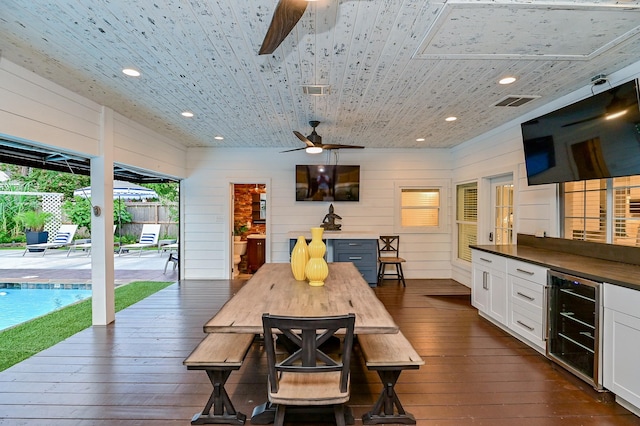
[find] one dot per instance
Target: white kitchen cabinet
(489, 288)
(526, 304)
(621, 333)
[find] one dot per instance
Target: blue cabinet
(363, 254)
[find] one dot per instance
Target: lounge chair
(63, 238)
(168, 247)
(86, 246)
(148, 238)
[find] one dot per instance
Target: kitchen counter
(623, 274)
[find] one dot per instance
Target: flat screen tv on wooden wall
(327, 183)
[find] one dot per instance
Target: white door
(501, 226)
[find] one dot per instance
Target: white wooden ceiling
(396, 68)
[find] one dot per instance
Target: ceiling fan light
(614, 115)
(313, 150)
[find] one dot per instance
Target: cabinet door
(489, 289)
(481, 278)
(620, 359)
(621, 343)
(255, 254)
(498, 296)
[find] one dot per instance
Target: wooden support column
(102, 263)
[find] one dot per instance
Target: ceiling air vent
(316, 89)
(515, 100)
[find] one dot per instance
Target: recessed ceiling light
(420, 140)
(452, 118)
(507, 80)
(186, 114)
(131, 72)
(218, 138)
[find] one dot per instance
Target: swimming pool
(19, 305)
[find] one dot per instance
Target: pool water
(21, 305)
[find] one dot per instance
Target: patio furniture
(63, 238)
(173, 257)
(218, 355)
(148, 238)
(85, 245)
(273, 288)
(168, 245)
(388, 254)
(309, 376)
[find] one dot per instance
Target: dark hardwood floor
(131, 372)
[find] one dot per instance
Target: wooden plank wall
(206, 215)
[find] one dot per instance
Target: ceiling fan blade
(303, 138)
(337, 146)
(285, 17)
(295, 149)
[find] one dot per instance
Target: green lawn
(27, 339)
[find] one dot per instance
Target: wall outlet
(540, 233)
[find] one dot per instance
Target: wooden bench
(388, 354)
(218, 355)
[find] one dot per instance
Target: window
(420, 208)
(603, 210)
(466, 218)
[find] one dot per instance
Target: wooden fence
(142, 213)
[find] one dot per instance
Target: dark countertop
(623, 274)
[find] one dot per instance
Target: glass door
(573, 323)
(502, 210)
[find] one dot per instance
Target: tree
(78, 211)
(40, 180)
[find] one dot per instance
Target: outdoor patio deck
(56, 267)
(131, 372)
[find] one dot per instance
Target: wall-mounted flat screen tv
(327, 183)
(598, 137)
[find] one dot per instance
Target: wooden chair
(308, 376)
(388, 254)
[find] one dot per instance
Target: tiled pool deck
(56, 268)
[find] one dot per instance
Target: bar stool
(388, 254)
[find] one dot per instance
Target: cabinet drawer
(489, 260)
(622, 299)
(357, 257)
(358, 245)
(527, 325)
(527, 271)
(526, 293)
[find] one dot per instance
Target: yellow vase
(316, 269)
(299, 259)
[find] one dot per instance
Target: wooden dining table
(274, 290)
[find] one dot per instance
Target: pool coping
(46, 286)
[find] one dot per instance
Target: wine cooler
(574, 324)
